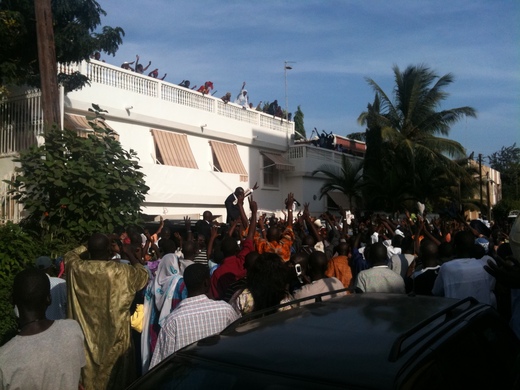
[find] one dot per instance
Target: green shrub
(72, 187)
(17, 250)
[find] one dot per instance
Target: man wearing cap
(57, 310)
(126, 65)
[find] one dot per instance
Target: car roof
(337, 341)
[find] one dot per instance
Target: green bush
(17, 250)
(72, 187)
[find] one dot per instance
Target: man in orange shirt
(272, 240)
(338, 266)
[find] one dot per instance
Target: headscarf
(162, 296)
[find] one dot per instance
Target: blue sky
(335, 45)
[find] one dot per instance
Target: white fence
(21, 121)
(106, 74)
(10, 210)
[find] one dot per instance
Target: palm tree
(347, 179)
(409, 129)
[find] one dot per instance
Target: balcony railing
(110, 75)
(307, 158)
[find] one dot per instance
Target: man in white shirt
(320, 282)
(465, 276)
(379, 278)
(57, 310)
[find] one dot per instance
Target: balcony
(121, 82)
(306, 158)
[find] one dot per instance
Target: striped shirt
(195, 318)
(201, 257)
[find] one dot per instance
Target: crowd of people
(133, 297)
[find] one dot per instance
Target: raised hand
(253, 205)
(214, 231)
(187, 223)
(290, 200)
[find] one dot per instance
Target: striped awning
(279, 161)
(227, 159)
(173, 149)
(82, 126)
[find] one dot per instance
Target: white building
(194, 149)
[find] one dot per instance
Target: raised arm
(289, 205)
(427, 233)
(243, 217)
(187, 226)
(161, 225)
(262, 226)
(252, 226)
(212, 237)
(310, 226)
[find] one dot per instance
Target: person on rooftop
(126, 65)
(206, 88)
(139, 67)
(155, 74)
(242, 97)
(226, 98)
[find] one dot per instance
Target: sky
(333, 46)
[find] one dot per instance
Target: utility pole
(286, 67)
(47, 62)
(480, 178)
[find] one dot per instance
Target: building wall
(491, 190)
(136, 104)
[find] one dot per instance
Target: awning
(340, 199)
(227, 159)
(173, 149)
(279, 161)
(82, 126)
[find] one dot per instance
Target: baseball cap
(43, 262)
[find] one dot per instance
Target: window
(272, 164)
(173, 149)
(271, 177)
(226, 159)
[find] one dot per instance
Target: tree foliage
(298, 124)
(406, 146)
(507, 162)
(72, 187)
(346, 179)
(77, 35)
